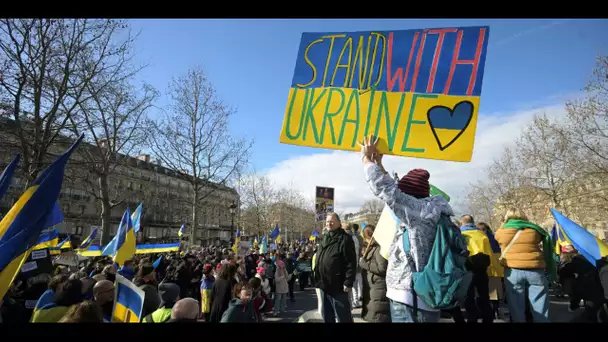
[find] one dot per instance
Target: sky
(531, 66)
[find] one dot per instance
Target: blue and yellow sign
(128, 301)
(418, 90)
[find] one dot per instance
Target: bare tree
(292, 212)
(193, 139)
(46, 67)
(257, 196)
(480, 202)
(115, 120)
(546, 159)
(373, 209)
(588, 120)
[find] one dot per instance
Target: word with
(447, 61)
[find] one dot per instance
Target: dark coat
(376, 307)
(336, 263)
(221, 294)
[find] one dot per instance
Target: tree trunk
(106, 210)
(192, 232)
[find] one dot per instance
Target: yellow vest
(158, 316)
(50, 315)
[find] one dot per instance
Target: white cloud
(343, 170)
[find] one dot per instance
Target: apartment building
(163, 192)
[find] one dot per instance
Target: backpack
(444, 280)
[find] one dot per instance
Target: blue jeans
(517, 281)
(336, 305)
(403, 313)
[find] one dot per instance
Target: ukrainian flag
(89, 240)
(33, 212)
(181, 231)
(66, 244)
(276, 234)
(157, 262)
(47, 240)
(7, 175)
(92, 251)
(589, 246)
(125, 244)
(136, 217)
(236, 240)
(128, 301)
(264, 245)
(314, 235)
(157, 248)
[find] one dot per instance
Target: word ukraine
(418, 90)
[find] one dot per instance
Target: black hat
(168, 293)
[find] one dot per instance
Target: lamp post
(232, 213)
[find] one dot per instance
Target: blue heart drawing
(448, 124)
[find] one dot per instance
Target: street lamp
(232, 213)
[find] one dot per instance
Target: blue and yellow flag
(237, 239)
(157, 262)
(181, 231)
(63, 245)
(136, 217)
(589, 246)
(125, 244)
(276, 234)
(66, 244)
(7, 175)
(47, 240)
(157, 248)
(31, 214)
(128, 301)
(264, 245)
(89, 240)
(91, 251)
(314, 235)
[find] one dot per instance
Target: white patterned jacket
(419, 219)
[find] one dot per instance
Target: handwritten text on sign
(418, 90)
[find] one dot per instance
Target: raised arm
(381, 183)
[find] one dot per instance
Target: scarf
(548, 248)
(329, 236)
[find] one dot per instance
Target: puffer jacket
(376, 306)
(525, 253)
(418, 223)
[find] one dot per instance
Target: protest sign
(418, 90)
(324, 202)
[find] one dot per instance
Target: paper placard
(41, 254)
(29, 266)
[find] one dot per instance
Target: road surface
(305, 301)
(306, 305)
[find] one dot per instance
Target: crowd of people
(208, 285)
(517, 265)
(435, 266)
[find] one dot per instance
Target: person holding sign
(411, 248)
